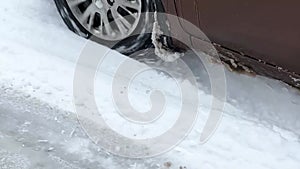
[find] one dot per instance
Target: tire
(126, 45)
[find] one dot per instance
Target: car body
(263, 35)
(258, 36)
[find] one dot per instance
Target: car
(250, 35)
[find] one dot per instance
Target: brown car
(260, 35)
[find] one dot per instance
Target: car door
(188, 10)
(265, 29)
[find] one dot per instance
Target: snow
(167, 56)
(260, 127)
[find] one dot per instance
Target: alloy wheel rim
(111, 20)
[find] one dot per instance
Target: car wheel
(110, 22)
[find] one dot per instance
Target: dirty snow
(164, 54)
(260, 128)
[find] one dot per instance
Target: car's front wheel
(110, 22)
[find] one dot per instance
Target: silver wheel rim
(110, 20)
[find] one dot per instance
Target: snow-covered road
(38, 127)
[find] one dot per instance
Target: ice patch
(160, 51)
(295, 79)
(79, 146)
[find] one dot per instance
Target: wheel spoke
(75, 3)
(134, 15)
(91, 20)
(125, 22)
(107, 26)
(117, 21)
(88, 12)
(131, 4)
(101, 27)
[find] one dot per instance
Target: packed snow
(38, 127)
